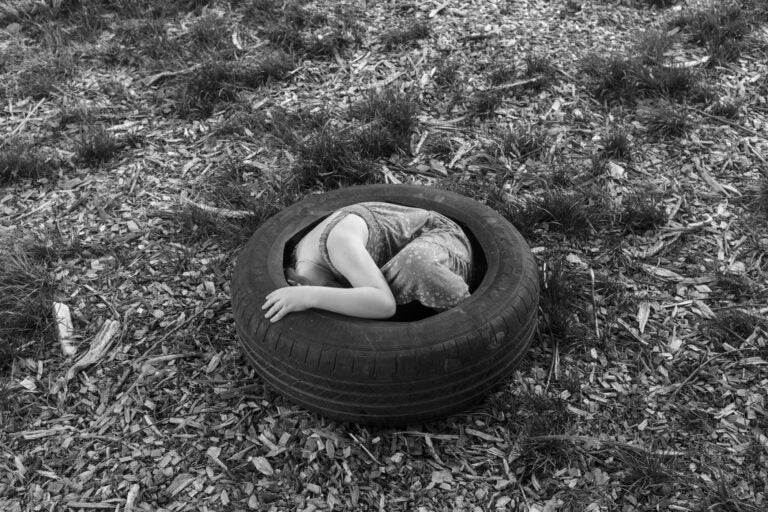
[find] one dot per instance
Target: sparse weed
(619, 78)
(721, 498)
(570, 213)
(652, 46)
(196, 224)
(374, 140)
(391, 114)
(26, 300)
(558, 290)
(97, 146)
(737, 285)
(647, 475)
(331, 157)
(284, 36)
(413, 31)
(40, 80)
(598, 165)
(485, 103)
(51, 246)
(732, 327)
(616, 145)
(661, 3)
(540, 67)
(270, 67)
(243, 124)
(670, 81)
(208, 86)
(720, 29)
(259, 11)
(641, 211)
(613, 76)
(289, 127)
(667, 121)
(726, 108)
(20, 159)
(762, 195)
(502, 73)
(148, 39)
(210, 34)
(439, 146)
(244, 188)
(525, 142)
(447, 73)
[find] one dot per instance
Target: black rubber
(389, 372)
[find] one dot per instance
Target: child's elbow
(389, 307)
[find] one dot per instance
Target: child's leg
(428, 272)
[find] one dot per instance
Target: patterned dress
(424, 256)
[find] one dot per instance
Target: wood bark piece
(64, 329)
(100, 345)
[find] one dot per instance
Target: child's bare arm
(369, 297)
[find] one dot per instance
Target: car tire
(398, 371)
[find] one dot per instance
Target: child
(365, 259)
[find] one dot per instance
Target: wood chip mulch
(645, 406)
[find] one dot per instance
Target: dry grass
(21, 159)
(26, 299)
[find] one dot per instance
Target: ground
(145, 141)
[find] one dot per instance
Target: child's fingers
(272, 310)
(280, 314)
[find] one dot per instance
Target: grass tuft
(668, 121)
(642, 211)
(661, 3)
(558, 290)
(502, 72)
(284, 36)
(669, 81)
(332, 158)
(97, 146)
(648, 475)
(540, 67)
(617, 78)
(438, 146)
(721, 29)
(525, 142)
(616, 145)
(409, 33)
(726, 108)
(26, 300)
(652, 46)
(485, 103)
(210, 33)
(391, 116)
(733, 327)
(20, 160)
(208, 86)
(447, 73)
(564, 211)
(41, 79)
(273, 66)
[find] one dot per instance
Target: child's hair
(293, 278)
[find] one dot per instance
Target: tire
(384, 371)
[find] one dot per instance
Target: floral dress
(424, 256)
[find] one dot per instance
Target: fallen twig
(101, 343)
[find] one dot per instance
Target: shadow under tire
(389, 372)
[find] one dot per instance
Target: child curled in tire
(365, 259)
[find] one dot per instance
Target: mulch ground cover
(143, 142)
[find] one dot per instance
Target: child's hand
(286, 300)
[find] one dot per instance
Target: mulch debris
(651, 405)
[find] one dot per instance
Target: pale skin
(369, 296)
